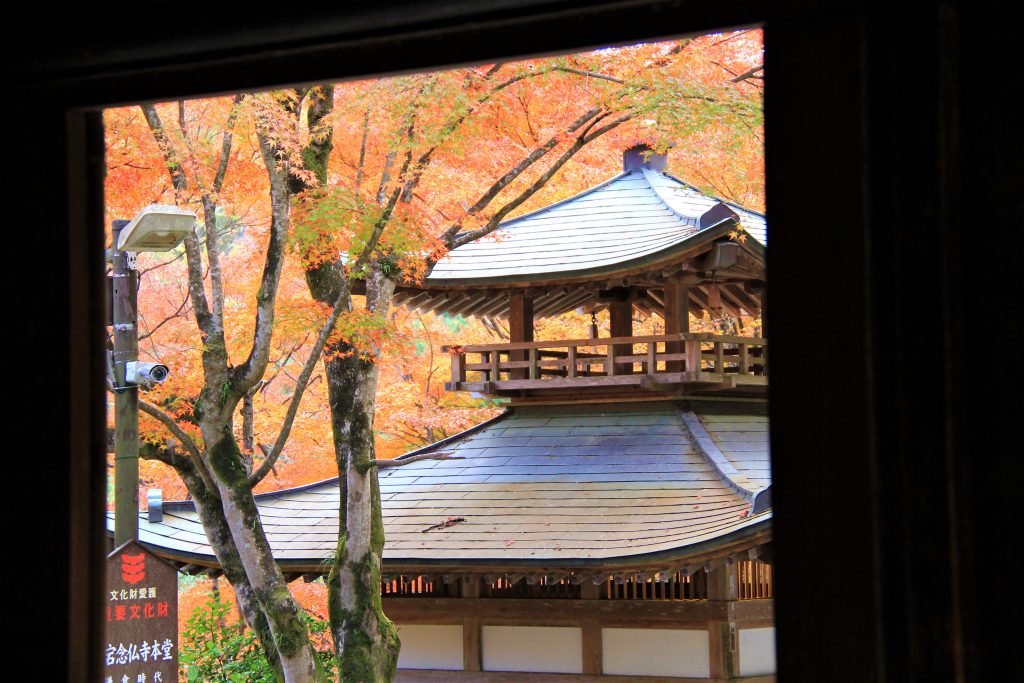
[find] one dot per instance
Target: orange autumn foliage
(412, 408)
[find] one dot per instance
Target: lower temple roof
(592, 486)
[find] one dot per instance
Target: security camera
(145, 374)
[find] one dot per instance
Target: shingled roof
(638, 216)
(633, 228)
(594, 486)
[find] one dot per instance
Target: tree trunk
(219, 535)
(365, 640)
(298, 661)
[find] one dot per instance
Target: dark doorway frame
(894, 172)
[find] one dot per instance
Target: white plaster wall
(549, 649)
(428, 646)
(757, 651)
(655, 652)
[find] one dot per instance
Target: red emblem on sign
(133, 568)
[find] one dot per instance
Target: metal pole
(126, 401)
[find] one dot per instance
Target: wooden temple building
(615, 521)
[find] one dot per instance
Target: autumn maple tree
(370, 184)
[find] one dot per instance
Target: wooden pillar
(472, 652)
(723, 637)
(757, 291)
(593, 647)
(620, 313)
(520, 326)
(676, 316)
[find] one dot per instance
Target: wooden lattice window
(418, 586)
(541, 587)
(677, 587)
(755, 580)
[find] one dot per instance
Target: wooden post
(458, 367)
(126, 400)
(534, 369)
(611, 367)
(472, 655)
(620, 311)
(472, 652)
(676, 316)
(520, 327)
(494, 357)
(723, 591)
(722, 583)
(593, 653)
(692, 349)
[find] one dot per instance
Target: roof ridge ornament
(642, 156)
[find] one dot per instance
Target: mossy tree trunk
(366, 641)
(211, 515)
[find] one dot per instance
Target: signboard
(141, 622)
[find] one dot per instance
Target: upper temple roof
(639, 216)
(632, 231)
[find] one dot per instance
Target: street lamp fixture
(156, 228)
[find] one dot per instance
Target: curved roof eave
(756, 530)
(652, 259)
(731, 204)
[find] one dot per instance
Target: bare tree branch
(177, 258)
(172, 316)
(209, 201)
(750, 73)
(180, 183)
(424, 159)
(225, 150)
(588, 74)
(251, 371)
(456, 241)
(385, 176)
(362, 149)
(448, 237)
(168, 422)
(400, 462)
(303, 380)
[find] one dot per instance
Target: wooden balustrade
(650, 362)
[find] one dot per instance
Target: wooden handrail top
(604, 341)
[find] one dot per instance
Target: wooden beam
(684, 614)
(498, 308)
(474, 303)
(749, 302)
(453, 303)
(557, 301)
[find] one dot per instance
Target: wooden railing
(646, 361)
